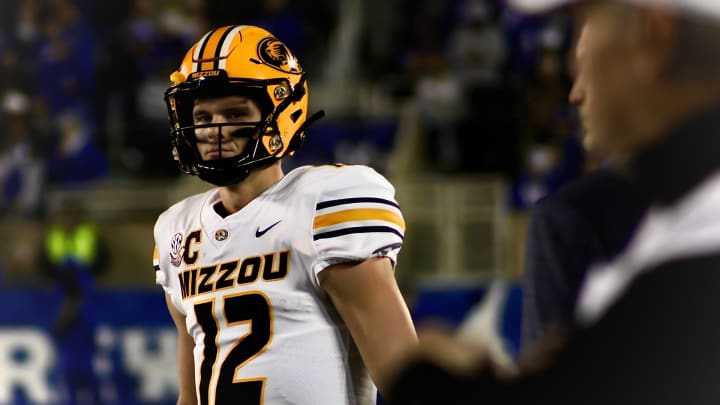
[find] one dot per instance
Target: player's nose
(577, 93)
(217, 130)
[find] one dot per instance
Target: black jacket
(589, 220)
(656, 342)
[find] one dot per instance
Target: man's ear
(654, 40)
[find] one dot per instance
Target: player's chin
(598, 147)
(590, 142)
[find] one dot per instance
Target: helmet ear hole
(295, 115)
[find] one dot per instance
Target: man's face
(235, 109)
(603, 86)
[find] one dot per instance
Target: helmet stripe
(199, 48)
(210, 47)
(225, 48)
(218, 49)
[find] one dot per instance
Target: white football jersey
(264, 331)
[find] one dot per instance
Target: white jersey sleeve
(356, 218)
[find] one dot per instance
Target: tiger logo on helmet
(239, 60)
(276, 54)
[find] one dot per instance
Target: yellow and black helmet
(239, 60)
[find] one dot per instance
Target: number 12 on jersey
(254, 309)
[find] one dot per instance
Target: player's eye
(202, 118)
(237, 115)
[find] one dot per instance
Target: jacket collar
(686, 156)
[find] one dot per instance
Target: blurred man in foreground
(589, 220)
(650, 85)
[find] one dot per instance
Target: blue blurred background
(460, 103)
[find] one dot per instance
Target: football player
(281, 286)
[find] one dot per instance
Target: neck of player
(234, 197)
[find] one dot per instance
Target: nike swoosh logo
(259, 233)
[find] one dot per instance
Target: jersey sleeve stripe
(366, 214)
(156, 259)
(357, 229)
(355, 200)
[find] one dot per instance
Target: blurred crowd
(491, 88)
(82, 82)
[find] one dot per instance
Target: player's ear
(656, 36)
